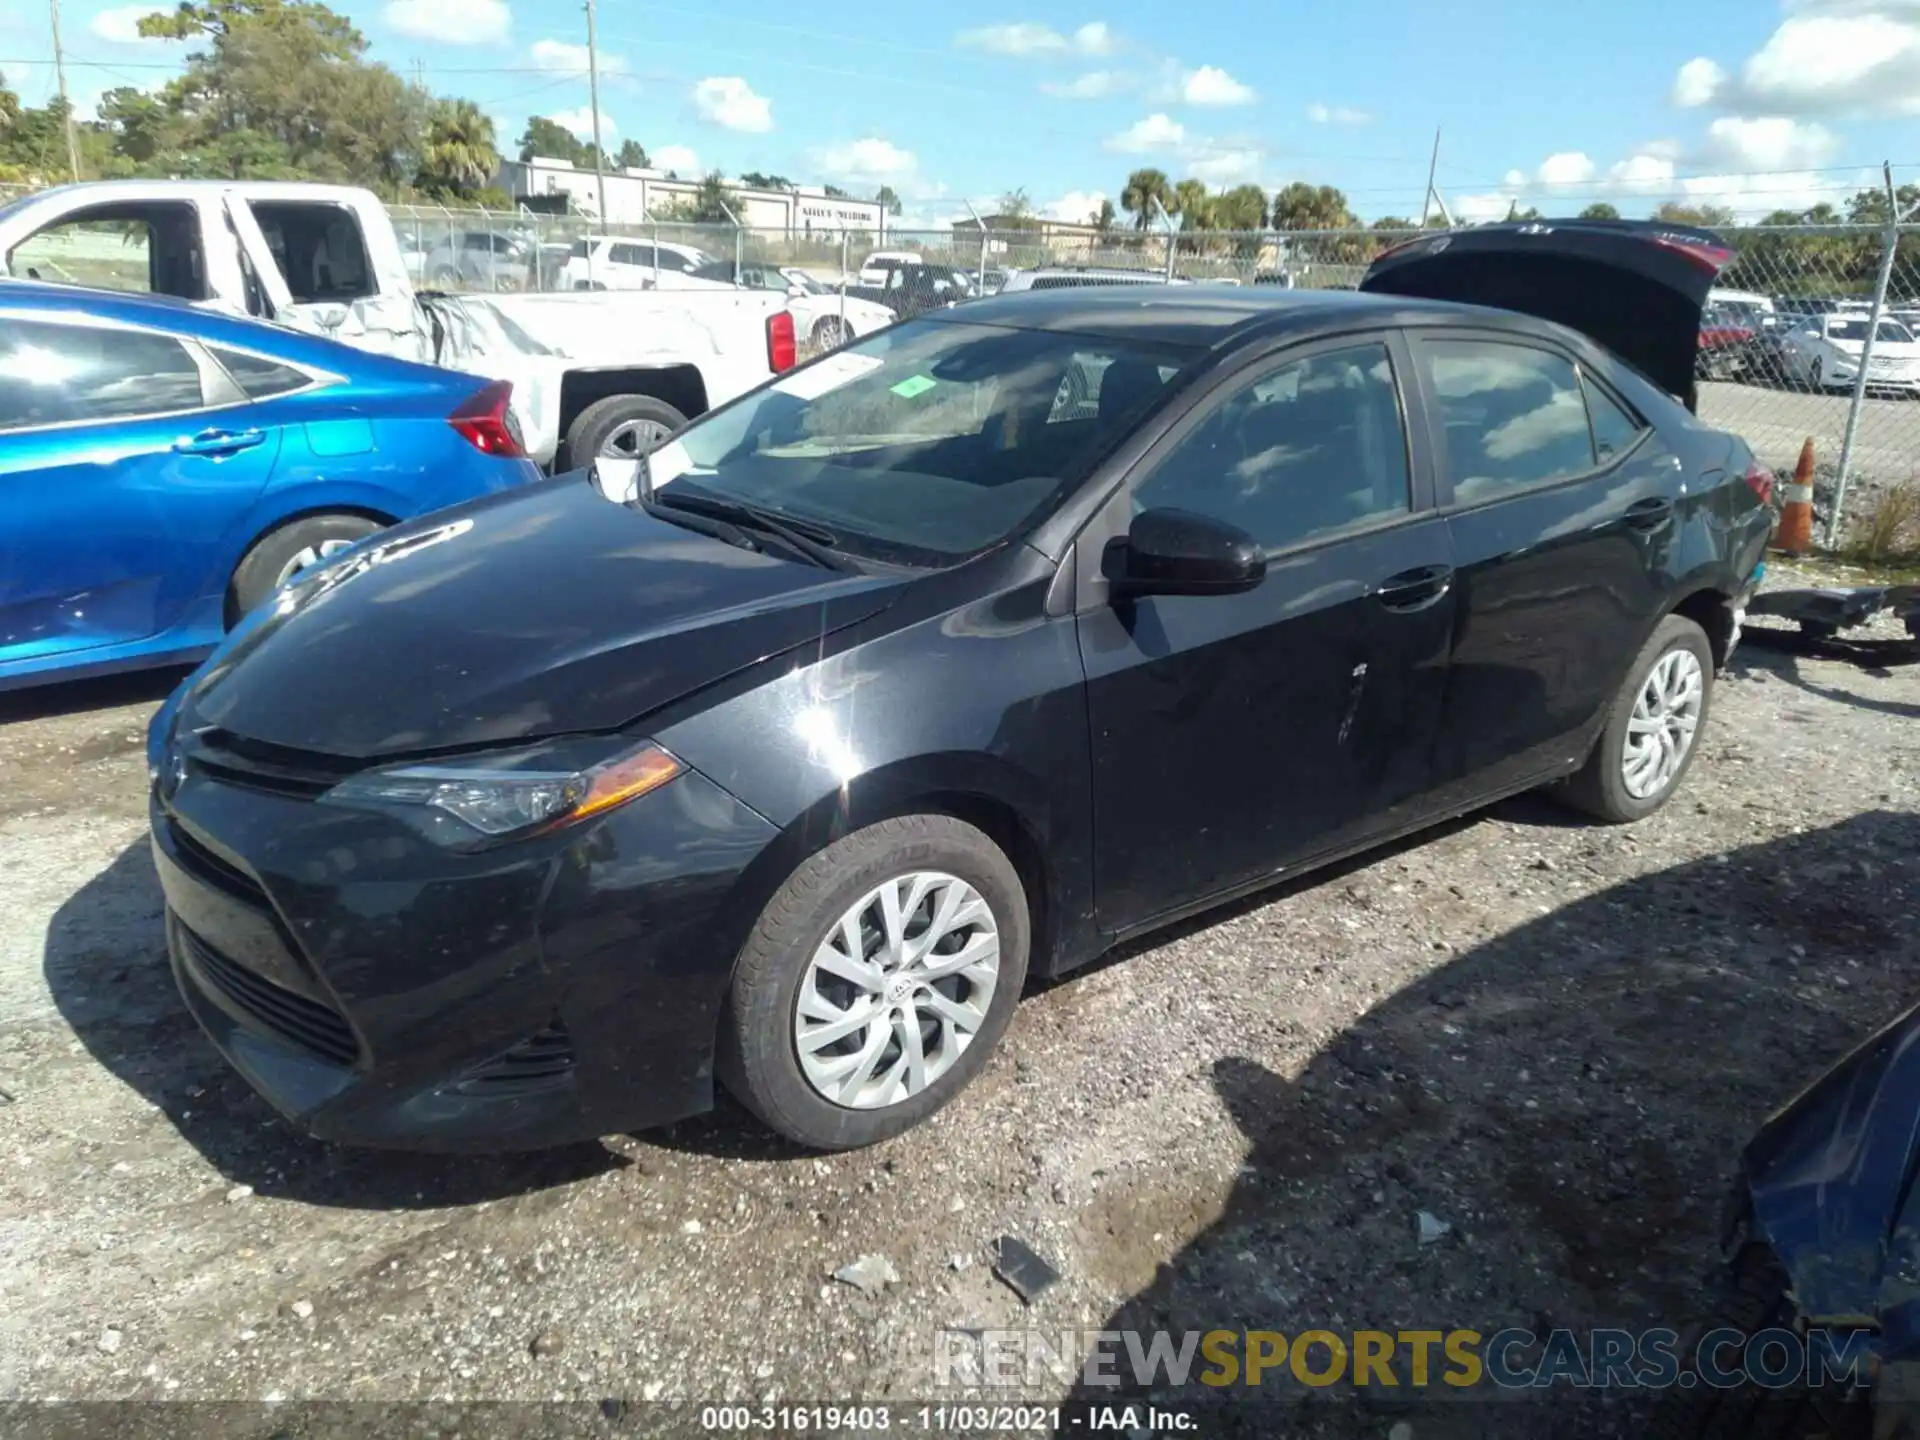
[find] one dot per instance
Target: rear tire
(1620, 788)
(279, 555)
(831, 333)
(648, 421)
(778, 983)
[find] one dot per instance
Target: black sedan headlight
(468, 802)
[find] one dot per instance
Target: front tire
(877, 982)
(1653, 728)
(280, 555)
(621, 427)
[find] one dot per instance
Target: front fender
(1829, 1182)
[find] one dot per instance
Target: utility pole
(593, 97)
(60, 78)
(1433, 169)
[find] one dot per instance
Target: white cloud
(562, 58)
(1647, 173)
(1336, 115)
(1156, 132)
(1773, 142)
(450, 22)
(729, 102)
(1224, 165)
(1697, 83)
(1828, 57)
(870, 161)
(677, 158)
(1095, 38)
(1569, 167)
(1025, 38)
(580, 122)
(1478, 209)
(1210, 85)
(1094, 85)
(1076, 206)
(121, 26)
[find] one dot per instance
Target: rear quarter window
(258, 377)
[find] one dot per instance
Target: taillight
(1760, 481)
(486, 422)
(783, 353)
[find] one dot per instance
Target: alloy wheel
(1666, 716)
(897, 990)
(631, 439)
(307, 557)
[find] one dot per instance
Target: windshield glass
(1890, 333)
(928, 442)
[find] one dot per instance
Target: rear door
(1560, 503)
(126, 456)
(1235, 735)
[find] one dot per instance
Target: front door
(121, 473)
(1562, 506)
(1237, 735)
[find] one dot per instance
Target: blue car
(164, 469)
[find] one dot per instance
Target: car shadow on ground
(1779, 653)
(1569, 1098)
(118, 995)
(136, 687)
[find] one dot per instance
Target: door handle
(219, 442)
(1649, 514)
(1414, 589)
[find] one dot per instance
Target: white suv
(611, 262)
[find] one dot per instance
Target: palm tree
(1103, 219)
(458, 154)
(1192, 204)
(1147, 197)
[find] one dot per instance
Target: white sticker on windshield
(669, 462)
(827, 375)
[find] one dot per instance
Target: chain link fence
(1810, 335)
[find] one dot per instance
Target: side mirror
(1178, 552)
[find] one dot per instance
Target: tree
(1103, 219)
(1514, 212)
(632, 155)
(1311, 207)
(1192, 204)
(1706, 217)
(1242, 208)
(551, 140)
(888, 199)
(137, 123)
(1392, 222)
(1600, 210)
(760, 180)
(282, 87)
(834, 192)
(1147, 197)
(710, 204)
(458, 156)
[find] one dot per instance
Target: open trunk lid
(1636, 287)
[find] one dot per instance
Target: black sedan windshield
(928, 442)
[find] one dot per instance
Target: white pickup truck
(595, 373)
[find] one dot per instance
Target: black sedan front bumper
(378, 990)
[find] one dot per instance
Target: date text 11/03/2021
(945, 1419)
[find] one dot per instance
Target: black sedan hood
(542, 611)
(1637, 288)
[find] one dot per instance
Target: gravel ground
(1554, 1038)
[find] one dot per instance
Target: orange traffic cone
(1795, 535)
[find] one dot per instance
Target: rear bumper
(377, 994)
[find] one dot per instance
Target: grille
(223, 876)
(237, 760)
(542, 1059)
(307, 1023)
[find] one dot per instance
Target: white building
(634, 196)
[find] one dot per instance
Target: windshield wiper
(803, 537)
(697, 520)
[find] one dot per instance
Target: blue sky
(1753, 103)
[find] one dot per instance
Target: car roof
(174, 316)
(1199, 317)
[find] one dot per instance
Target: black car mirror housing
(1179, 552)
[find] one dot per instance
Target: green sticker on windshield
(914, 385)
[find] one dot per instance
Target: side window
(1514, 416)
(1614, 429)
(146, 249)
(318, 249)
(1308, 449)
(60, 374)
(258, 377)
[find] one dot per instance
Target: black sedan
(941, 663)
